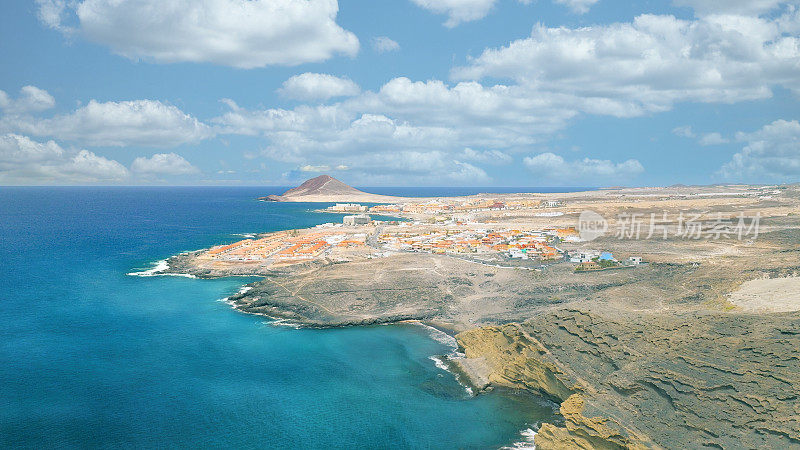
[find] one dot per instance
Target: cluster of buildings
(285, 247)
(512, 243)
(333, 240)
(597, 260)
(347, 207)
(468, 205)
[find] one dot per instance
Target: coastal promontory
(655, 337)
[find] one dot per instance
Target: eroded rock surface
(692, 380)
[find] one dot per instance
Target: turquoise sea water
(92, 357)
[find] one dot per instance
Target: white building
(348, 207)
(583, 256)
(517, 253)
(357, 219)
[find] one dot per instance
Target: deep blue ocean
(92, 357)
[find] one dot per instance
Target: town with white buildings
(451, 234)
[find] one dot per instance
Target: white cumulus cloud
(713, 139)
(373, 147)
(415, 167)
(770, 154)
(630, 69)
(553, 167)
(684, 131)
(310, 168)
(406, 116)
(52, 13)
(383, 44)
(86, 166)
(137, 122)
(706, 139)
(238, 33)
(486, 156)
(747, 7)
(458, 11)
(163, 164)
(495, 116)
(17, 149)
(545, 80)
(318, 86)
(578, 6)
(30, 99)
(25, 161)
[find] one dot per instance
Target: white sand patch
(768, 295)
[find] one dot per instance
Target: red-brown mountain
(325, 188)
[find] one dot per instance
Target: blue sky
(404, 92)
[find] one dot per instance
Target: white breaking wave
(274, 321)
(440, 336)
(156, 271)
(439, 361)
(160, 266)
(284, 323)
(227, 301)
(242, 290)
(526, 443)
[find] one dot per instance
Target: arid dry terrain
(699, 347)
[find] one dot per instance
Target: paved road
(372, 240)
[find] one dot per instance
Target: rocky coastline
(624, 379)
(724, 380)
(700, 348)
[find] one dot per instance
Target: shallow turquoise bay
(92, 357)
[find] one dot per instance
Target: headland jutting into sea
(666, 332)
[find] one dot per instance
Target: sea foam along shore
(227, 300)
(436, 334)
(158, 271)
(441, 360)
(527, 435)
(526, 443)
(274, 321)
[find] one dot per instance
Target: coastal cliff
(648, 381)
(655, 357)
(517, 360)
(700, 347)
